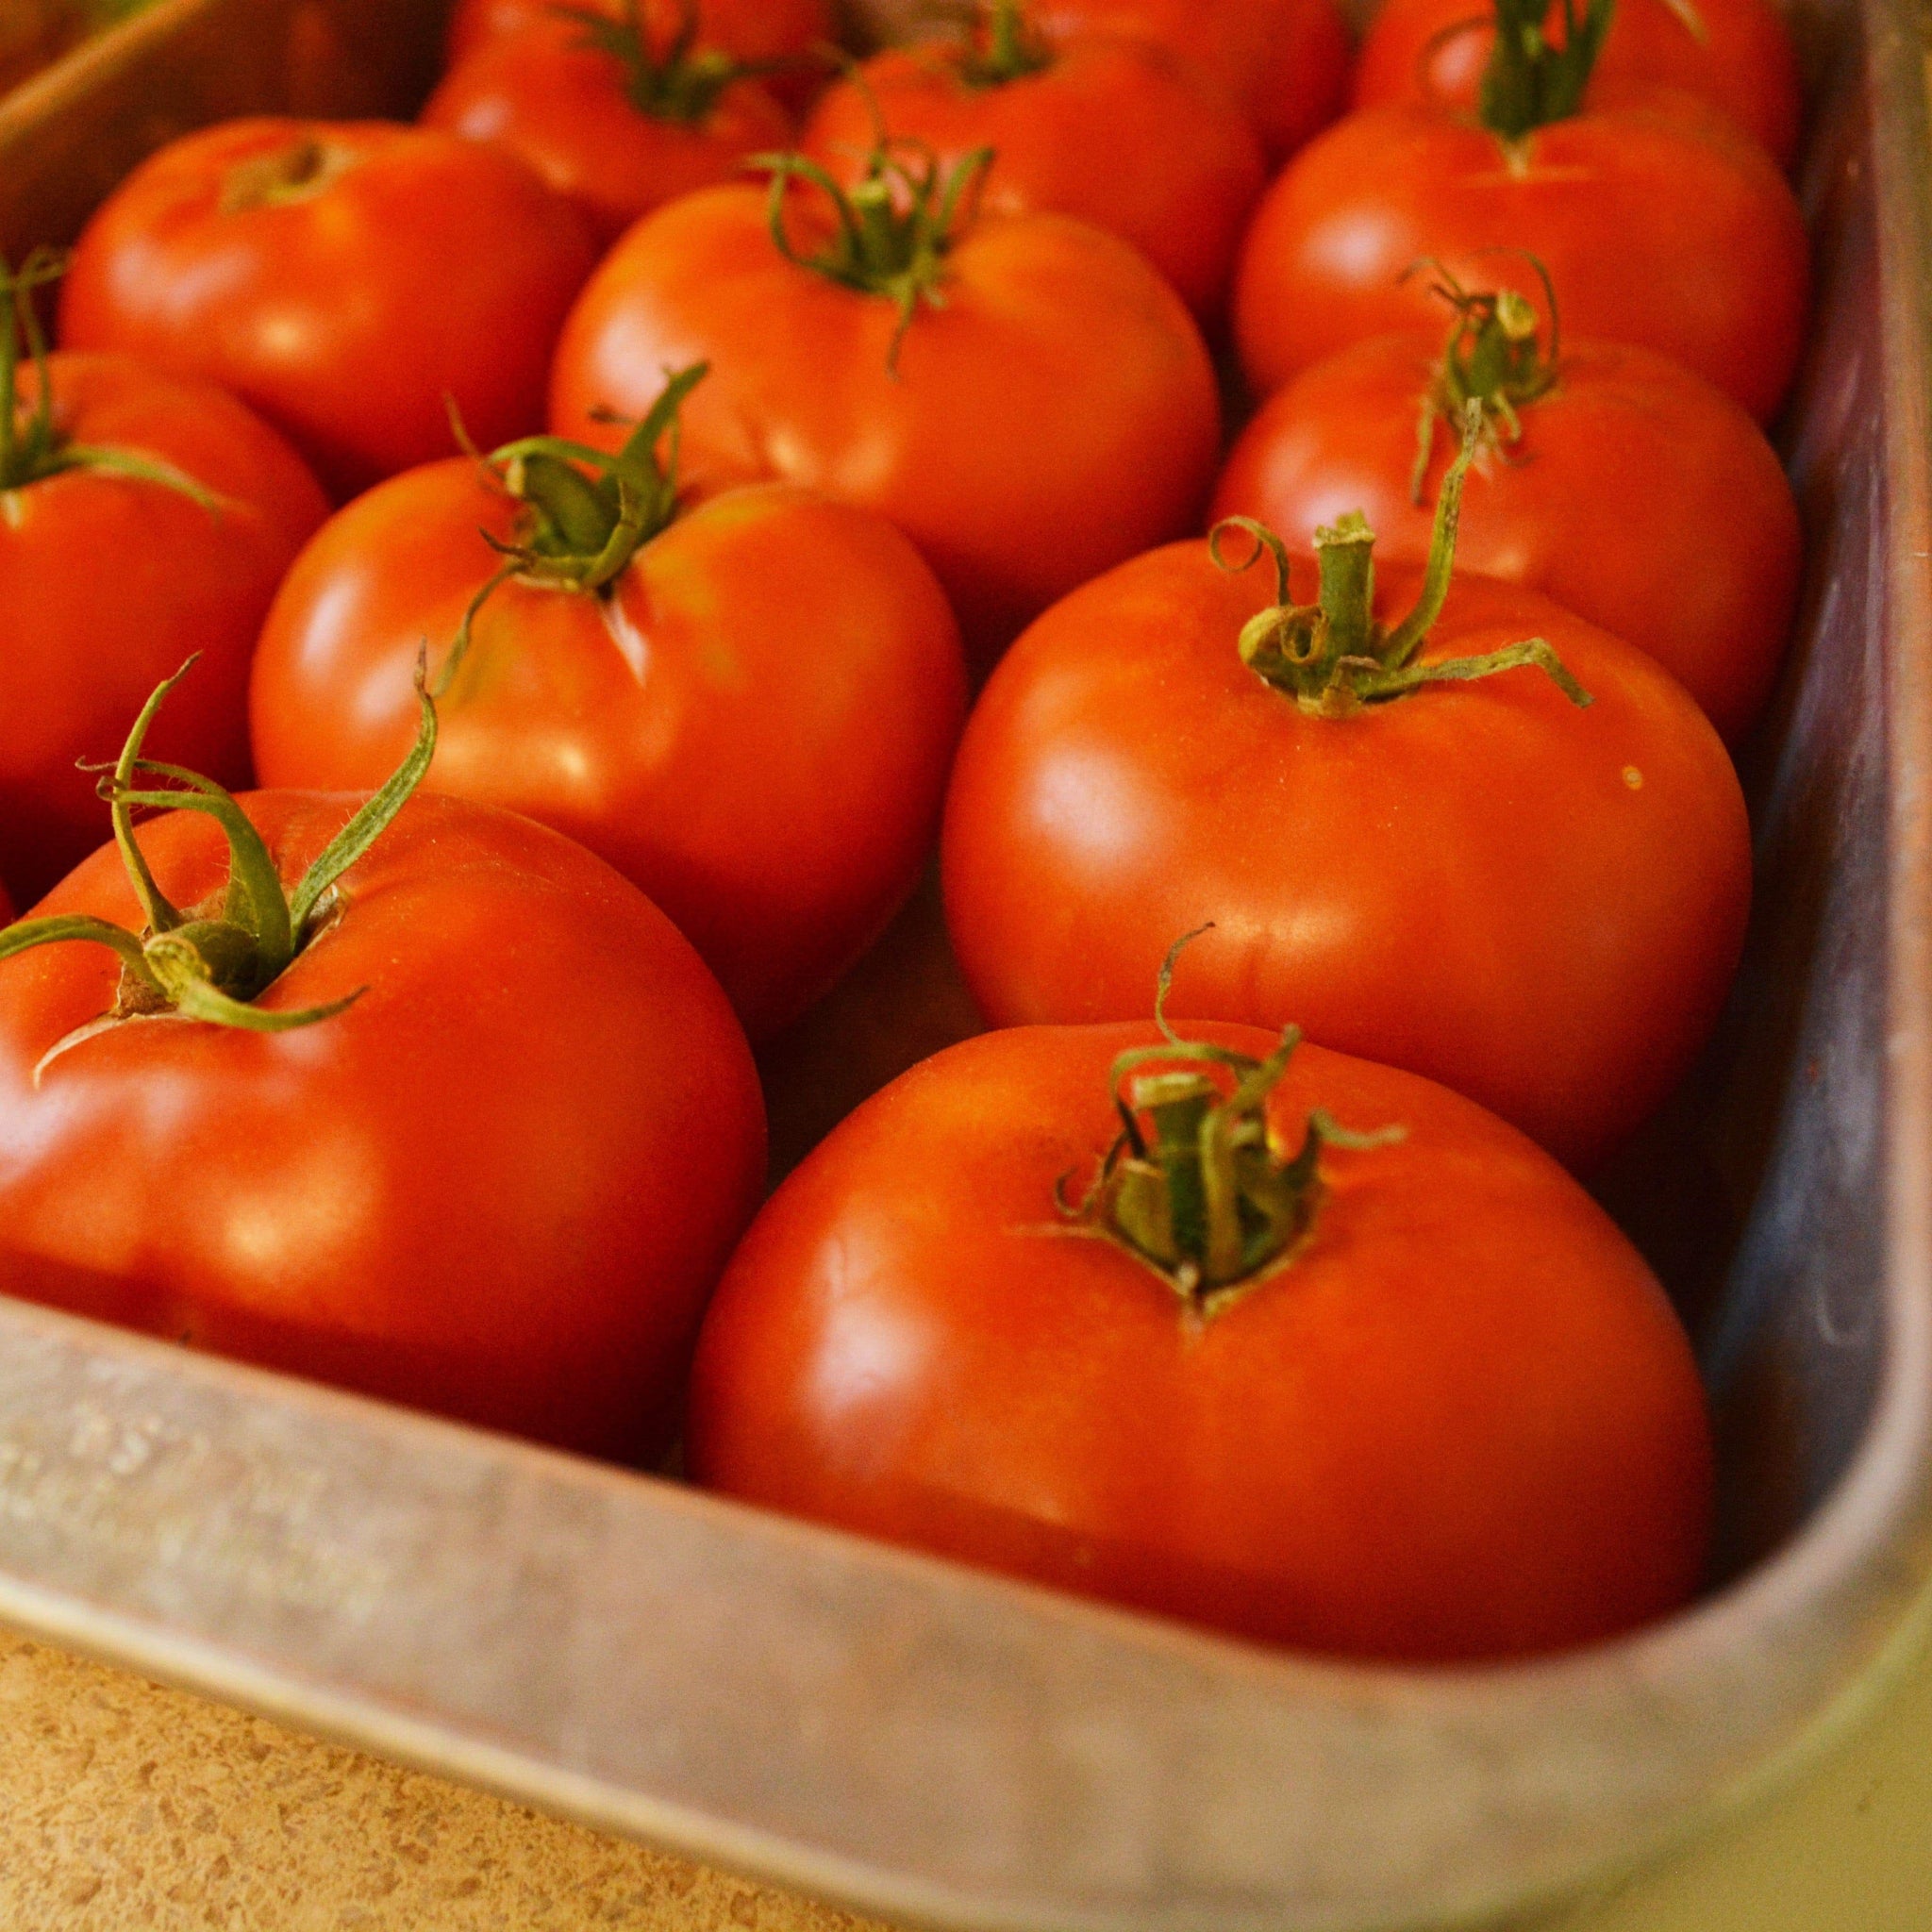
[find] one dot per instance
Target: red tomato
(1658, 226)
(761, 30)
(1285, 63)
(1710, 597)
(108, 581)
(1456, 1418)
(1737, 54)
(987, 428)
(1116, 131)
(616, 143)
(753, 720)
(499, 1185)
(230, 253)
(1539, 906)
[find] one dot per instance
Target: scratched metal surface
(935, 1745)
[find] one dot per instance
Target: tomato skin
(563, 109)
(1016, 468)
(757, 730)
(1745, 64)
(1117, 132)
(1464, 882)
(1460, 1421)
(1604, 504)
(107, 585)
(498, 1186)
(1285, 63)
(751, 29)
(1658, 226)
(463, 265)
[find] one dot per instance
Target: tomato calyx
(299, 170)
(893, 228)
(33, 446)
(1003, 48)
(1332, 657)
(577, 532)
(211, 960)
(681, 82)
(1193, 1185)
(1492, 359)
(1531, 80)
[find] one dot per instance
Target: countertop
(126, 1805)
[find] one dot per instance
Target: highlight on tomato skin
(1455, 1420)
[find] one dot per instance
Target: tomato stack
(630, 520)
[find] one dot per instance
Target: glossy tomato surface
(1539, 906)
(1057, 414)
(350, 280)
(1459, 1420)
(1606, 502)
(563, 109)
(754, 723)
(1116, 131)
(110, 583)
(1285, 63)
(1665, 228)
(1737, 54)
(499, 1186)
(790, 32)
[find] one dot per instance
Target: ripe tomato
(1285, 63)
(1658, 226)
(497, 1184)
(618, 128)
(752, 719)
(226, 256)
(111, 573)
(1452, 1417)
(1737, 54)
(1539, 905)
(1710, 597)
(1117, 131)
(761, 30)
(946, 378)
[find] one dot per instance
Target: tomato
(1737, 54)
(1116, 131)
(762, 30)
(1285, 63)
(953, 381)
(227, 254)
(1603, 500)
(1452, 1417)
(1538, 904)
(1658, 227)
(498, 1184)
(619, 130)
(753, 720)
(157, 522)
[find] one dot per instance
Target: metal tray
(932, 1745)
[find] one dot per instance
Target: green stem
(212, 967)
(895, 225)
(1193, 1185)
(1004, 49)
(1332, 659)
(681, 82)
(1530, 82)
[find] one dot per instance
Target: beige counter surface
(123, 1805)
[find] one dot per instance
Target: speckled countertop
(123, 1805)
